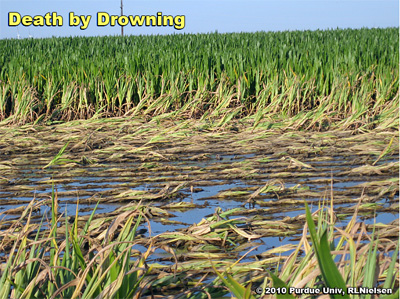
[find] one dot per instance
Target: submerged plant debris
(207, 194)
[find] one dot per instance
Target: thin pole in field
(122, 13)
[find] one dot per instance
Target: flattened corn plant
(319, 76)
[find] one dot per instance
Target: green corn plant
(281, 73)
(330, 273)
(234, 286)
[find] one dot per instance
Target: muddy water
(194, 174)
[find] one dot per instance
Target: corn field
(194, 163)
(337, 73)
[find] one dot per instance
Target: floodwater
(265, 176)
(92, 184)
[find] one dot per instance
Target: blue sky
(207, 16)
